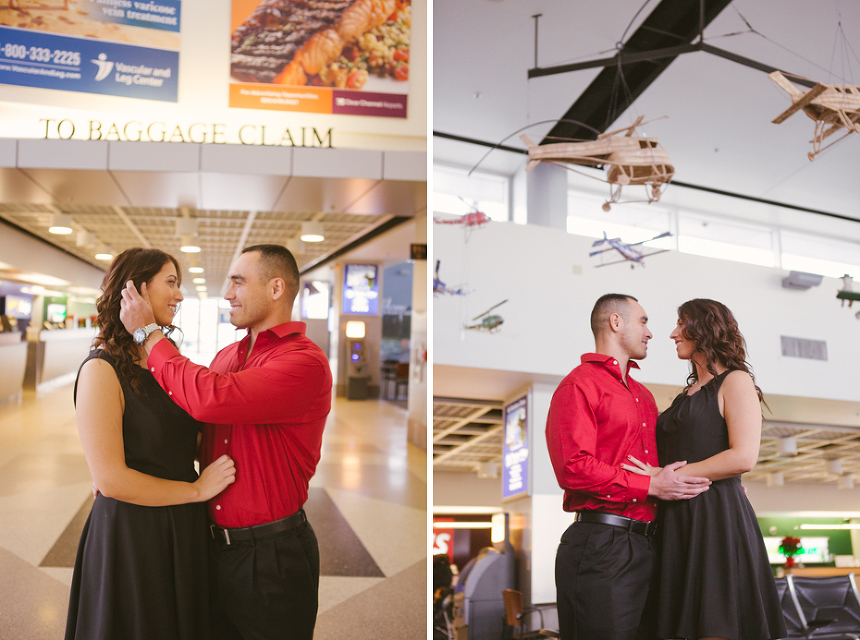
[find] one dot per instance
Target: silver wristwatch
(140, 335)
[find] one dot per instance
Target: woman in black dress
(715, 581)
(141, 567)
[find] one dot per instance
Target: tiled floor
(367, 504)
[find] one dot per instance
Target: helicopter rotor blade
(490, 309)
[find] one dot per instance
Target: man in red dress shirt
(598, 418)
(266, 399)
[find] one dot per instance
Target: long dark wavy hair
(138, 265)
(712, 327)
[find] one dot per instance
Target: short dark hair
(605, 306)
(276, 261)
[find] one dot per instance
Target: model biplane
(833, 107)
(489, 323)
(628, 159)
(629, 252)
(441, 287)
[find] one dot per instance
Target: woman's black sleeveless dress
(714, 575)
(141, 572)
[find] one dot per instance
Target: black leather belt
(259, 532)
(614, 520)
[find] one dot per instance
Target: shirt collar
(279, 331)
(609, 362)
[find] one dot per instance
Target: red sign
(443, 539)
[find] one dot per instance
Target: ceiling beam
(462, 422)
(672, 23)
(458, 450)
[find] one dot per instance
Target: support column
(417, 405)
(547, 196)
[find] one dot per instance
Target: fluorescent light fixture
(834, 467)
(775, 479)
(355, 329)
(86, 239)
(313, 232)
(497, 533)
(463, 525)
(188, 244)
(195, 269)
(186, 226)
(104, 253)
(787, 446)
(488, 469)
(199, 281)
(201, 287)
(61, 224)
(457, 510)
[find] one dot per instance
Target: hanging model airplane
(468, 220)
(627, 251)
(832, 106)
(489, 323)
(441, 287)
(629, 159)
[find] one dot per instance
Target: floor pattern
(367, 504)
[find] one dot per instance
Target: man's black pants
(265, 589)
(603, 577)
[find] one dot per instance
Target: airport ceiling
(718, 111)
(713, 110)
(468, 433)
(122, 210)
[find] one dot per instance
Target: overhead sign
(325, 59)
(515, 449)
(125, 48)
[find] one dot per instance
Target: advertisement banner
(360, 290)
(515, 449)
(343, 57)
(125, 48)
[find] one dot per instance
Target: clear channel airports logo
(104, 65)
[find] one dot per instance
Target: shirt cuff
(637, 485)
(161, 352)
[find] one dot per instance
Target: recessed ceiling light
(199, 281)
(195, 269)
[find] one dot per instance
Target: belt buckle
(226, 533)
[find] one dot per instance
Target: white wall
(551, 285)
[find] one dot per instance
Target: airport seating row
(820, 608)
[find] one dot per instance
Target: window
(630, 222)
(824, 256)
(457, 193)
(725, 239)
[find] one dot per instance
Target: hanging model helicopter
(831, 106)
(627, 251)
(490, 324)
(629, 159)
(441, 287)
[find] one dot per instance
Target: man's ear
(615, 322)
(278, 288)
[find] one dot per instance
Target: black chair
(515, 617)
(820, 608)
